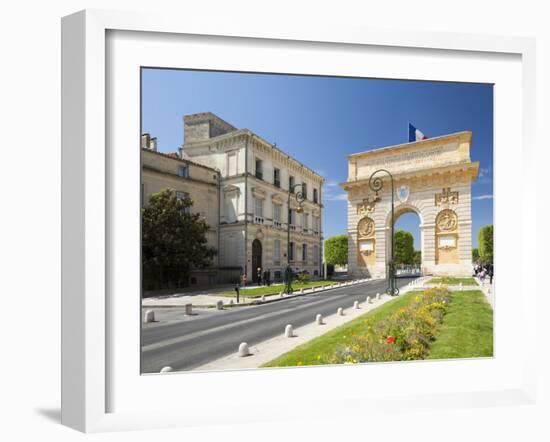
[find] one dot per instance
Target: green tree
(336, 250)
(173, 239)
(475, 255)
(417, 260)
(404, 247)
(485, 244)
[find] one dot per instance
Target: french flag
(415, 134)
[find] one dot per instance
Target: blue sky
(321, 120)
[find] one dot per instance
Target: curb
(268, 301)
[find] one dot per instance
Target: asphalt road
(190, 343)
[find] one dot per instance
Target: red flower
(387, 350)
(390, 340)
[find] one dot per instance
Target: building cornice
(469, 169)
(462, 137)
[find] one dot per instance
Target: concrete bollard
(149, 316)
(219, 305)
(356, 305)
(301, 291)
(189, 309)
(289, 332)
(367, 300)
(281, 294)
(231, 302)
(340, 311)
(244, 350)
(166, 369)
(319, 319)
(263, 298)
(377, 296)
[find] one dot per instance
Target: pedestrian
(237, 289)
(259, 275)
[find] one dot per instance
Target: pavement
(189, 342)
(209, 299)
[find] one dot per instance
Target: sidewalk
(207, 300)
(272, 348)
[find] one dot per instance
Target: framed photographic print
(278, 210)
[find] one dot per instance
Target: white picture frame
(89, 229)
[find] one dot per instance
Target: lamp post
(376, 183)
(300, 197)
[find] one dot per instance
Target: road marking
(190, 336)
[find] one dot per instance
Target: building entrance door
(256, 259)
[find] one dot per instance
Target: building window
(259, 210)
(291, 184)
(315, 227)
(304, 190)
(277, 252)
(315, 196)
(291, 216)
(183, 196)
(259, 169)
(305, 226)
(232, 164)
(276, 215)
(231, 207)
(183, 171)
(291, 252)
(304, 252)
(315, 254)
(277, 177)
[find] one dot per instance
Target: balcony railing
(259, 219)
(277, 223)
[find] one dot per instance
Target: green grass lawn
(274, 288)
(311, 352)
(467, 330)
(447, 280)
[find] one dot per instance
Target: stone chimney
(203, 126)
(148, 143)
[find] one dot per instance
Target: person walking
(259, 275)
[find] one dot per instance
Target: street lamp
(300, 197)
(376, 184)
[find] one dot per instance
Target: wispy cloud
(336, 197)
(483, 172)
(331, 184)
(483, 197)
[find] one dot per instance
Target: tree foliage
(485, 244)
(475, 255)
(173, 239)
(336, 250)
(417, 257)
(404, 247)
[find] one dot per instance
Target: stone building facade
(432, 178)
(254, 192)
(188, 179)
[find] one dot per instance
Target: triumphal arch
(432, 178)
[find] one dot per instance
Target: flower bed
(404, 335)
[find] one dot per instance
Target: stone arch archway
(401, 209)
(432, 178)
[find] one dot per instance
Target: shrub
(405, 335)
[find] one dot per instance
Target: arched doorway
(408, 242)
(256, 259)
